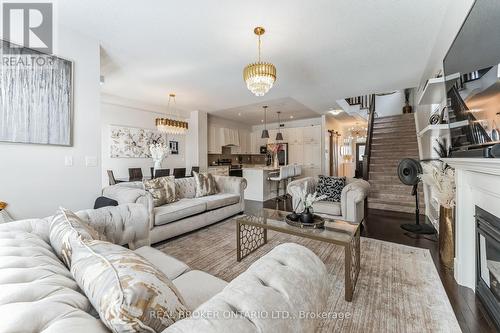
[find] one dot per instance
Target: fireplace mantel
(478, 184)
(483, 165)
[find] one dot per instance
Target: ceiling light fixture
(335, 112)
(259, 76)
(279, 136)
(169, 125)
(265, 132)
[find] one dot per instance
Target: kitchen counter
(219, 170)
(259, 188)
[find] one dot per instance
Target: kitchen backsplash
(237, 159)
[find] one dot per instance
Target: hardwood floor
(385, 225)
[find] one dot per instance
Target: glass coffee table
(251, 234)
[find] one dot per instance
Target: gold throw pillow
(162, 189)
(65, 226)
(129, 293)
(205, 184)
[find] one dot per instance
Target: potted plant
(308, 199)
(441, 178)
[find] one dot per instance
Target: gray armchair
(351, 207)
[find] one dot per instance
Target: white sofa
(351, 207)
(38, 293)
(188, 213)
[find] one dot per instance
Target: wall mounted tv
(474, 94)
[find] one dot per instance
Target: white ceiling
(323, 50)
(253, 114)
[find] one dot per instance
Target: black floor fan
(408, 171)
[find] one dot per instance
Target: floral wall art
(133, 142)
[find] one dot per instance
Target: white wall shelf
(434, 92)
(437, 130)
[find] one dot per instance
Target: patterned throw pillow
(331, 187)
(162, 189)
(205, 184)
(129, 293)
(67, 226)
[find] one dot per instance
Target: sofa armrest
(236, 185)
(125, 193)
(352, 200)
(123, 224)
(269, 287)
(296, 188)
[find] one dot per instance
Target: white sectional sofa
(188, 213)
(351, 207)
(38, 294)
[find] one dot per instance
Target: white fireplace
(478, 184)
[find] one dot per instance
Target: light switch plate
(90, 161)
(68, 161)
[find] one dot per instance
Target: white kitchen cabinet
(214, 140)
(311, 134)
(295, 153)
(257, 142)
(244, 143)
(295, 135)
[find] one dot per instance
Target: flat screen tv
(471, 69)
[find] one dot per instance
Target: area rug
(398, 289)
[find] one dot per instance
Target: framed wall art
(133, 142)
(36, 97)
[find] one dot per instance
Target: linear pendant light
(265, 132)
(279, 136)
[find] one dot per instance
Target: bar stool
(297, 171)
(278, 178)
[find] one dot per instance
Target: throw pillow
(331, 187)
(205, 184)
(66, 226)
(162, 189)
(129, 293)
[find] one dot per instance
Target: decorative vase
(407, 108)
(306, 216)
(157, 164)
(447, 236)
(276, 161)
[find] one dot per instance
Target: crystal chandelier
(259, 76)
(169, 125)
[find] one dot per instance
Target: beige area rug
(398, 289)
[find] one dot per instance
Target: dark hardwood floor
(385, 225)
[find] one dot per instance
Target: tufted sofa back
(37, 292)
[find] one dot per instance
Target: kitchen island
(259, 188)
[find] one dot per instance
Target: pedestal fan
(408, 171)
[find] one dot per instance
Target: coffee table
(251, 234)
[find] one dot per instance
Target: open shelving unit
(434, 92)
(437, 130)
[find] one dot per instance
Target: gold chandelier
(259, 76)
(171, 126)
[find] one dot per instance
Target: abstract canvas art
(133, 142)
(36, 93)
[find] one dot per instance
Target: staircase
(394, 138)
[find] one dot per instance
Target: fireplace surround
(488, 262)
(478, 185)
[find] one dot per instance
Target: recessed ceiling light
(335, 112)
(262, 120)
(239, 114)
(291, 117)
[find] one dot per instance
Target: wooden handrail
(369, 135)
